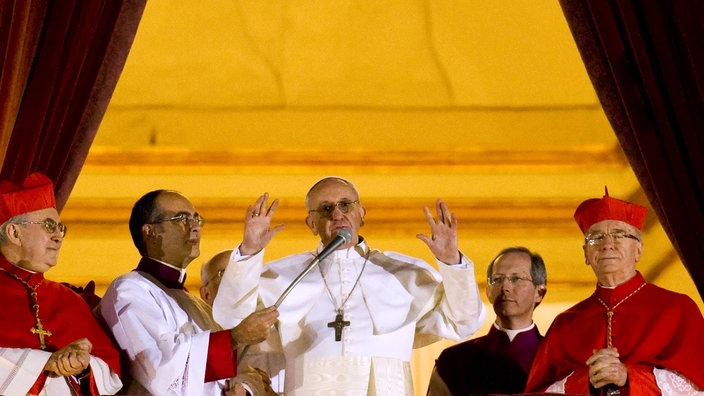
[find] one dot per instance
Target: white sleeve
(238, 292)
(457, 310)
(107, 381)
(672, 383)
(20, 368)
(157, 336)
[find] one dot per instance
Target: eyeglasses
(49, 225)
(512, 280)
(186, 220)
(600, 237)
(326, 210)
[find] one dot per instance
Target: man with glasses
(350, 325)
(499, 362)
(172, 345)
(210, 275)
(630, 337)
(50, 342)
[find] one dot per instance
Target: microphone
(343, 236)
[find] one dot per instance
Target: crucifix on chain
(339, 323)
(39, 330)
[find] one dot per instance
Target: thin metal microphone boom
(343, 236)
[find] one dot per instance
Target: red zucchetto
(597, 209)
(35, 193)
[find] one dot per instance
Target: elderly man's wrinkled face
(40, 246)
(612, 248)
(333, 205)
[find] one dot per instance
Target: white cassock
(20, 368)
(167, 349)
(397, 303)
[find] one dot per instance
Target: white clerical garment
(392, 302)
(167, 350)
(20, 367)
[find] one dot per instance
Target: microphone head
(346, 234)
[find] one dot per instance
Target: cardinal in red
(50, 344)
(630, 337)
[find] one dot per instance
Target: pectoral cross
(339, 324)
(39, 330)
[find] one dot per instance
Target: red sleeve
(38, 385)
(641, 381)
(222, 361)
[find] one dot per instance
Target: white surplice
(159, 337)
(399, 303)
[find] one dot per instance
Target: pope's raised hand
(257, 225)
(443, 234)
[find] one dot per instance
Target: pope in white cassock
(351, 323)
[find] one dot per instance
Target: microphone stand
(343, 236)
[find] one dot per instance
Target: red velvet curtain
(60, 62)
(646, 61)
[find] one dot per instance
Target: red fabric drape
(646, 62)
(61, 62)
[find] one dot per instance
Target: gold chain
(610, 313)
(32, 290)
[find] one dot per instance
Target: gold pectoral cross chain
(32, 291)
(610, 314)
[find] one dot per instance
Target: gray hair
(15, 219)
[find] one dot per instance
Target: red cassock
(651, 327)
(61, 311)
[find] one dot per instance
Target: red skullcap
(598, 209)
(35, 193)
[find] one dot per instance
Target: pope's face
(335, 194)
(39, 248)
(613, 258)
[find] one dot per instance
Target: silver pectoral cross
(339, 323)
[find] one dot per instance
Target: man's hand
(254, 328)
(236, 389)
(605, 368)
(257, 380)
(443, 239)
(257, 223)
(69, 360)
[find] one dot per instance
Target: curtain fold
(646, 62)
(62, 61)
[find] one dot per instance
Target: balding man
(211, 274)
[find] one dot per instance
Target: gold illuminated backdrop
(487, 106)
